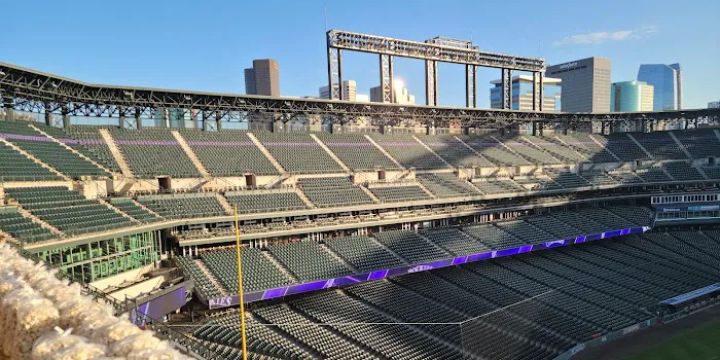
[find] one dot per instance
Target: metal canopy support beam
(138, 119)
(9, 106)
(431, 83)
(470, 86)
(386, 79)
(65, 117)
(541, 91)
(48, 114)
(506, 89)
(334, 72)
(218, 120)
(121, 117)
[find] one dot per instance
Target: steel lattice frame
(35, 91)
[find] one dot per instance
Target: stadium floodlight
(2, 73)
(54, 84)
(188, 97)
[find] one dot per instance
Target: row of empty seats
(532, 306)
(308, 260)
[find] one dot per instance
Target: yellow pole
(240, 284)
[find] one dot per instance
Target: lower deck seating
(256, 202)
(21, 228)
(259, 273)
(399, 193)
(67, 210)
(127, 206)
(363, 253)
(497, 186)
(333, 191)
(295, 257)
(412, 247)
(446, 185)
(183, 206)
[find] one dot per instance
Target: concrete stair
(473, 150)
(116, 153)
(332, 154)
(279, 266)
(433, 152)
(191, 154)
(304, 198)
(370, 194)
(34, 159)
(118, 211)
(201, 265)
(28, 215)
(382, 150)
(70, 149)
(140, 205)
(606, 148)
(229, 209)
(267, 153)
(639, 145)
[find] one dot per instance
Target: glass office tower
(667, 82)
(631, 96)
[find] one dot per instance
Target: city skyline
(212, 58)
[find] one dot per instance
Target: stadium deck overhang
(35, 91)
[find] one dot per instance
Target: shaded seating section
(48, 151)
(298, 153)
(537, 183)
(296, 258)
(87, 139)
(355, 151)
(154, 152)
(653, 174)
(454, 241)
(609, 219)
(258, 272)
(682, 171)
(566, 178)
(67, 210)
(202, 282)
(408, 152)
(583, 221)
(626, 177)
(363, 253)
(661, 145)
(599, 178)
(228, 153)
(259, 202)
(622, 146)
(412, 247)
(359, 321)
(712, 172)
(263, 342)
(556, 148)
(530, 306)
(127, 206)
(399, 193)
(14, 166)
(639, 216)
(454, 151)
(333, 191)
(183, 205)
(494, 237)
(586, 146)
(493, 150)
(446, 185)
(21, 228)
(497, 186)
(699, 143)
(554, 226)
(326, 342)
(529, 151)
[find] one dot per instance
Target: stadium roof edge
(43, 87)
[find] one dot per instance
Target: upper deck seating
(228, 153)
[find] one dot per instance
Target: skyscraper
(585, 84)
(522, 93)
(263, 78)
(714, 105)
(401, 94)
(349, 91)
(667, 82)
(631, 96)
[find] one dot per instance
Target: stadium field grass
(702, 343)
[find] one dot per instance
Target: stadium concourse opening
(363, 230)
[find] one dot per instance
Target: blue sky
(204, 45)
